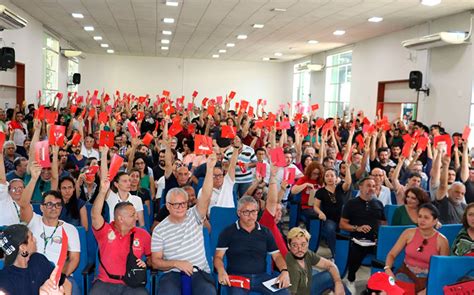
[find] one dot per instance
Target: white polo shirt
(114, 199)
(10, 209)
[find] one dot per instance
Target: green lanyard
(46, 240)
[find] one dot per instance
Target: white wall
(448, 71)
(151, 75)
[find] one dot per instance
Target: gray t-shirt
(449, 212)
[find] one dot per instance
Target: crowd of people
(129, 160)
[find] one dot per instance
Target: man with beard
(159, 170)
(77, 158)
(300, 262)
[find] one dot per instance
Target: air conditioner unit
(9, 20)
(310, 67)
(436, 40)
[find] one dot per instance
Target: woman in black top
(328, 204)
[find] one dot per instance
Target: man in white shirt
(88, 150)
(10, 194)
(48, 229)
(280, 173)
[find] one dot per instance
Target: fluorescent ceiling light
(168, 20)
(166, 32)
(313, 42)
(110, 51)
(278, 54)
(165, 41)
(97, 38)
(266, 59)
(375, 19)
(230, 45)
(215, 56)
(339, 32)
(77, 15)
(430, 2)
(258, 26)
(222, 51)
(172, 3)
(89, 28)
(241, 37)
(104, 45)
(278, 9)
(164, 48)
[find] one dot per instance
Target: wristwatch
(355, 227)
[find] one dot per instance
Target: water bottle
(186, 284)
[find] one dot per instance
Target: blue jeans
(102, 288)
(202, 283)
(322, 281)
(241, 188)
(328, 232)
(256, 285)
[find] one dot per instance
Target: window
(50, 69)
(301, 86)
(72, 68)
(338, 83)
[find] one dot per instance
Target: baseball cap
(381, 281)
(10, 240)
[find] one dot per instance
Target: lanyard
(46, 240)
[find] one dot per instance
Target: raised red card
(422, 143)
(289, 175)
(168, 109)
(236, 106)
(39, 113)
(360, 141)
(232, 94)
(106, 138)
(202, 145)
(42, 154)
(244, 104)
(211, 110)
(166, 93)
(73, 109)
(259, 101)
(90, 172)
(133, 129)
(56, 135)
(261, 169)
(250, 112)
(239, 282)
(191, 128)
(285, 125)
(406, 149)
(228, 132)
(79, 99)
(195, 93)
(443, 138)
(140, 116)
(219, 100)
(303, 129)
(76, 138)
(278, 157)
(315, 107)
(141, 99)
(190, 106)
(2, 139)
(115, 164)
(50, 117)
(465, 133)
(320, 122)
(204, 101)
(407, 138)
(103, 118)
(366, 120)
(62, 255)
(174, 129)
(147, 138)
(59, 95)
(91, 113)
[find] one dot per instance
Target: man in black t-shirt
(361, 217)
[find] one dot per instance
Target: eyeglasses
(178, 205)
(51, 205)
(299, 246)
(377, 175)
(424, 243)
(17, 189)
(139, 163)
(249, 212)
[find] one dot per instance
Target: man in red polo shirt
(113, 240)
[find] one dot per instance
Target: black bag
(134, 276)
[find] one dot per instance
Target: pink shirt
(418, 253)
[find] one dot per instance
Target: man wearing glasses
(48, 229)
(178, 244)
(246, 245)
(10, 194)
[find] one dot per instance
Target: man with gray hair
(10, 154)
(177, 242)
(246, 245)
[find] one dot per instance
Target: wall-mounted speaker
(76, 78)
(415, 80)
(7, 58)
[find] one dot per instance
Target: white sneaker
(351, 287)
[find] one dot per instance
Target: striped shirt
(246, 156)
(181, 241)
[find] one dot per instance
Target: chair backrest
(355, 192)
(450, 231)
(220, 218)
(90, 239)
(37, 208)
(389, 210)
(387, 237)
(146, 217)
(446, 270)
(207, 247)
(83, 260)
(393, 197)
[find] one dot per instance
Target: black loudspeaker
(76, 78)
(416, 79)
(7, 58)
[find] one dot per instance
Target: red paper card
(106, 138)
(195, 93)
(42, 154)
(250, 112)
(191, 128)
(406, 149)
(285, 125)
(115, 164)
(190, 106)
(50, 117)
(242, 166)
(62, 255)
(39, 113)
(315, 107)
(174, 129)
(133, 129)
(466, 132)
(79, 99)
(59, 95)
(320, 122)
(56, 135)
(244, 104)
(141, 99)
(103, 118)
(278, 157)
(204, 101)
(422, 143)
(211, 110)
(239, 282)
(407, 138)
(443, 138)
(166, 93)
(91, 171)
(360, 141)
(236, 106)
(261, 169)
(366, 120)
(140, 116)
(147, 138)
(76, 138)
(73, 109)
(259, 101)
(289, 175)
(2, 139)
(92, 113)
(232, 94)
(228, 132)
(303, 129)
(202, 145)
(219, 100)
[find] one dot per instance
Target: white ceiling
(202, 27)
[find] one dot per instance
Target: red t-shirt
(305, 192)
(268, 220)
(114, 249)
